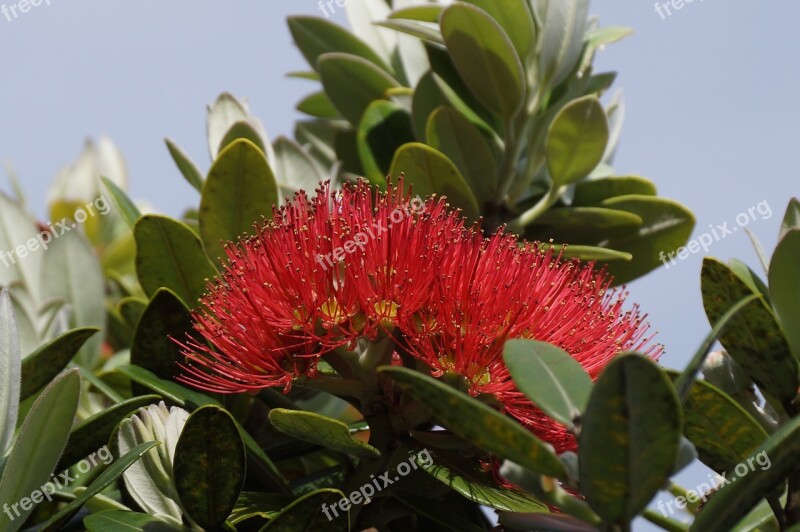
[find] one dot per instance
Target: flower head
(353, 265)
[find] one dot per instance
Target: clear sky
(711, 94)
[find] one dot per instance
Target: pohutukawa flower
(356, 264)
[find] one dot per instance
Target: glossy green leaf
(165, 318)
(243, 129)
(239, 190)
(40, 442)
(592, 192)
(576, 140)
(42, 366)
(384, 127)
(169, 255)
(723, 433)
(427, 98)
(431, 172)
(315, 36)
(10, 373)
(71, 273)
(485, 57)
(103, 480)
(222, 114)
(549, 377)
(320, 430)
(94, 432)
(666, 226)
(185, 165)
(753, 339)
(750, 278)
(478, 423)
(768, 466)
(791, 219)
(209, 466)
(583, 225)
(306, 514)
(515, 18)
(121, 521)
(587, 253)
(352, 83)
(629, 439)
(451, 133)
(131, 309)
(318, 105)
(484, 491)
(130, 213)
(596, 39)
(784, 283)
(424, 13)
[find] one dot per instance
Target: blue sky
(711, 97)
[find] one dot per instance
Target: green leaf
(485, 58)
(576, 140)
(320, 430)
(461, 141)
(514, 16)
(549, 522)
(427, 98)
(781, 452)
(187, 168)
(587, 253)
(421, 30)
(750, 278)
(426, 13)
(315, 36)
(317, 104)
(629, 439)
(40, 442)
(10, 373)
(130, 213)
(666, 226)
(583, 225)
(592, 192)
(121, 521)
(209, 466)
(239, 190)
(784, 283)
(478, 423)
(243, 129)
(306, 514)
(103, 480)
(352, 83)
(549, 377)
(484, 491)
(684, 382)
(169, 255)
(166, 317)
(384, 127)
(190, 400)
(431, 172)
(723, 433)
(791, 220)
(753, 339)
(94, 432)
(42, 366)
(294, 167)
(563, 25)
(16, 229)
(597, 38)
(71, 273)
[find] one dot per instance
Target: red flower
(503, 290)
(356, 264)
